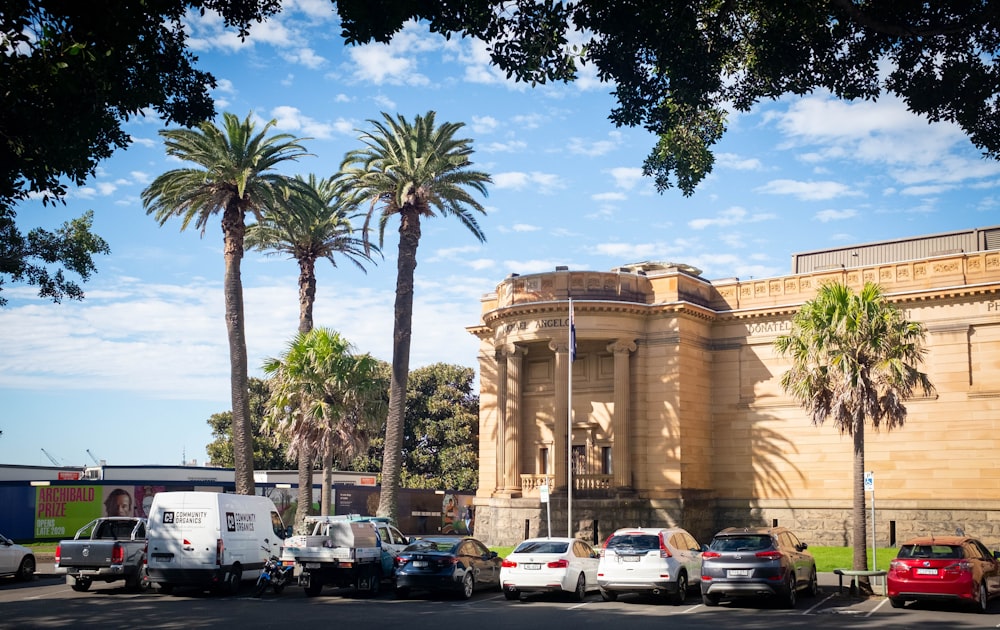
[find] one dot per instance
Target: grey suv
(755, 562)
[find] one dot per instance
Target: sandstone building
(678, 415)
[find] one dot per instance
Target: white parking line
(880, 604)
(817, 605)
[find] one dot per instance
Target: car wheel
(468, 585)
(682, 587)
(81, 585)
(608, 596)
(511, 594)
(984, 599)
(791, 597)
(709, 600)
(402, 592)
(896, 602)
(580, 593)
(233, 580)
(27, 569)
(166, 589)
(813, 589)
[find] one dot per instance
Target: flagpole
(569, 425)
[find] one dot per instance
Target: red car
(944, 568)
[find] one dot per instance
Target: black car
(459, 564)
(756, 562)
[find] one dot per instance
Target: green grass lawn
(827, 558)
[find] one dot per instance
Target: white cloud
(484, 124)
(306, 57)
(737, 163)
(291, 119)
(825, 216)
(544, 183)
(595, 148)
(729, 217)
(626, 177)
(609, 196)
(807, 191)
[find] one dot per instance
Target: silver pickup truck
(107, 549)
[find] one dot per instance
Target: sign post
(870, 487)
(543, 496)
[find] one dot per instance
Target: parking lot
(47, 602)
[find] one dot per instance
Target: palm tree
(854, 360)
(312, 223)
(414, 171)
(235, 173)
(323, 398)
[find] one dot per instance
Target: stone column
(512, 419)
(621, 448)
(561, 417)
(501, 468)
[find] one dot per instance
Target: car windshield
(930, 551)
(636, 542)
(446, 544)
(748, 542)
(541, 546)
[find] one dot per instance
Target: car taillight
(58, 553)
(509, 564)
(401, 560)
(664, 552)
(219, 549)
(561, 563)
(770, 555)
(959, 567)
(117, 554)
(711, 554)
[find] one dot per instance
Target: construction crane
(93, 458)
(51, 459)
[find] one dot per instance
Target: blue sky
(133, 372)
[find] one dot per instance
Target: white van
(209, 539)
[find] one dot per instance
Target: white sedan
(16, 560)
(550, 565)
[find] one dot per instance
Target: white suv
(649, 560)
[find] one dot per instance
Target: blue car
(456, 564)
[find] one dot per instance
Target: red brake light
(770, 555)
(401, 560)
(561, 563)
(711, 554)
(959, 567)
(664, 552)
(58, 553)
(117, 554)
(509, 564)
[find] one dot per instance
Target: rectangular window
(606, 461)
(543, 461)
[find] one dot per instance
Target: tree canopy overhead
(677, 67)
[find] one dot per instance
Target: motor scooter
(274, 575)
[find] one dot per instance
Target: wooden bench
(851, 573)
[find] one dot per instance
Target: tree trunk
(307, 293)
(409, 239)
(305, 491)
(327, 498)
(233, 229)
(860, 531)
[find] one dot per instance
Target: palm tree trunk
(327, 498)
(307, 293)
(305, 490)
(233, 229)
(409, 239)
(860, 531)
